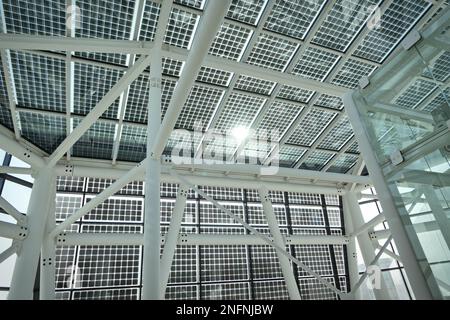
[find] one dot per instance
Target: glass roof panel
(279, 116)
(247, 11)
(338, 136)
(230, 41)
(97, 142)
(310, 127)
(295, 94)
(293, 18)
(214, 76)
(344, 163)
(133, 143)
(315, 64)
(255, 85)
(180, 28)
(351, 72)
(316, 160)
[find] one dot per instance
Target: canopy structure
(200, 94)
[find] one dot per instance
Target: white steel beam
(352, 256)
(365, 244)
(412, 267)
(288, 274)
(151, 287)
(97, 111)
(204, 36)
(27, 260)
(8, 252)
(10, 89)
(12, 231)
(138, 14)
(189, 239)
(15, 170)
(171, 238)
(13, 212)
(48, 250)
(368, 225)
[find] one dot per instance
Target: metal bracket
(396, 157)
(364, 82)
(411, 39)
(61, 238)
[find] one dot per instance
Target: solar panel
(315, 64)
(344, 163)
(338, 136)
(293, 18)
(230, 41)
(316, 160)
(310, 127)
(351, 72)
(96, 142)
(180, 28)
(255, 85)
(247, 11)
(295, 94)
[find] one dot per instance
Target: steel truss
(36, 233)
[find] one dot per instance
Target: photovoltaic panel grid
(198, 271)
(337, 42)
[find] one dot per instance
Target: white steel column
(365, 244)
(412, 267)
(28, 258)
(171, 239)
(48, 255)
(151, 264)
(352, 257)
(291, 282)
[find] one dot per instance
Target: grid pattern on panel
(271, 52)
(351, 72)
(66, 205)
(265, 264)
(40, 17)
(214, 76)
(295, 94)
(247, 11)
(198, 4)
(289, 155)
(225, 291)
(415, 93)
(64, 267)
(316, 160)
(343, 23)
(293, 18)
(91, 84)
(189, 214)
(149, 21)
(304, 198)
(70, 184)
(257, 150)
(438, 101)
(62, 295)
(169, 190)
(310, 127)
(311, 289)
(275, 289)
(223, 263)
(279, 116)
(221, 193)
(188, 292)
(95, 185)
(115, 58)
(344, 163)
(184, 265)
(47, 132)
(105, 19)
(181, 143)
(100, 266)
(210, 214)
(398, 19)
(107, 294)
(171, 67)
(256, 215)
(230, 41)
(354, 148)
(332, 200)
(256, 85)
(97, 142)
(306, 216)
(440, 69)
(5, 114)
(325, 100)
(111, 228)
(117, 209)
(338, 136)
(339, 256)
(316, 257)
(39, 81)
(133, 144)
(137, 103)
(315, 64)
(239, 110)
(334, 215)
(180, 28)
(222, 230)
(199, 107)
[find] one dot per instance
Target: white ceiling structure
(273, 65)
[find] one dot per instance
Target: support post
(415, 275)
(352, 256)
(151, 264)
(171, 239)
(286, 268)
(28, 258)
(48, 254)
(365, 244)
